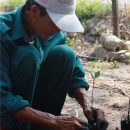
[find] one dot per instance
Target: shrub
(12, 4)
(87, 9)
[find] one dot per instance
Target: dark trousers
(54, 79)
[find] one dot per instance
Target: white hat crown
(59, 6)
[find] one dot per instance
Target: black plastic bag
(125, 123)
(103, 126)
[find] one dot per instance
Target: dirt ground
(111, 92)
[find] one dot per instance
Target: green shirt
(11, 33)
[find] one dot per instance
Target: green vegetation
(128, 57)
(104, 65)
(87, 10)
(115, 63)
(11, 4)
(94, 64)
(69, 41)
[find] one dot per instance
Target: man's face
(44, 26)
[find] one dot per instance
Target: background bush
(11, 4)
(89, 9)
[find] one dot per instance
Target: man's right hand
(68, 123)
(49, 121)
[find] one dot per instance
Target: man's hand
(63, 123)
(68, 123)
(93, 114)
(96, 117)
(49, 121)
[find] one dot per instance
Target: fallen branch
(123, 31)
(121, 24)
(87, 57)
(122, 88)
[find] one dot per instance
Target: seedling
(94, 75)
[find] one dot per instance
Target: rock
(89, 38)
(116, 105)
(126, 46)
(99, 52)
(117, 128)
(95, 31)
(120, 55)
(110, 42)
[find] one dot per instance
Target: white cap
(62, 13)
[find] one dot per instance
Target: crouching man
(38, 70)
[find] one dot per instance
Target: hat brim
(65, 22)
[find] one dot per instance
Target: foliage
(86, 9)
(115, 63)
(128, 57)
(69, 42)
(72, 38)
(12, 4)
(93, 64)
(102, 65)
(95, 74)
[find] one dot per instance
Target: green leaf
(97, 74)
(93, 74)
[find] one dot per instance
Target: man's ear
(34, 11)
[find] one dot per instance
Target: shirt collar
(18, 30)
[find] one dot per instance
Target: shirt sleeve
(9, 103)
(78, 77)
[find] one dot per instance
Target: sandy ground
(110, 92)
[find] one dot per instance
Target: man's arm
(89, 111)
(80, 95)
(32, 116)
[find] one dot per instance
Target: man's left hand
(96, 117)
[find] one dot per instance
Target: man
(38, 69)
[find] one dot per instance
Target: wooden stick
(124, 27)
(87, 57)
(123, 89)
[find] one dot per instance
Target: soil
(111, 91)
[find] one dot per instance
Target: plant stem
(92, 92)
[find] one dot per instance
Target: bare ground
(111, 92)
